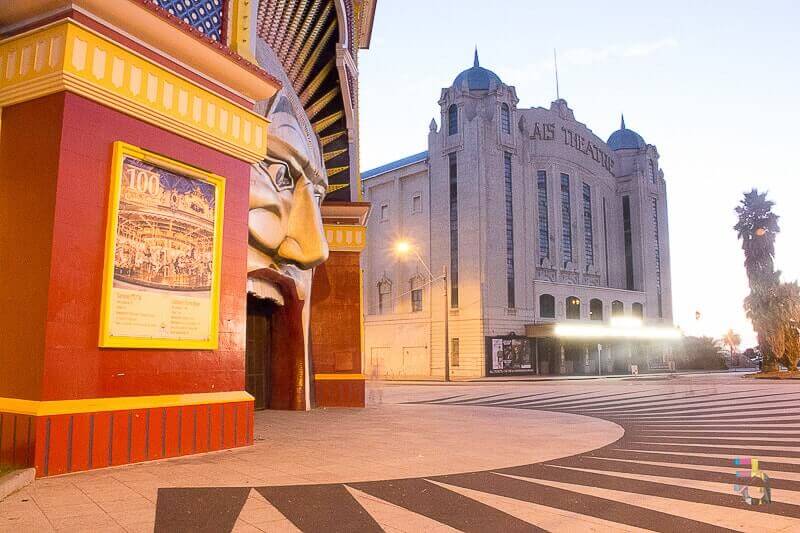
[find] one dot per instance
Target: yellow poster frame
(120, 151)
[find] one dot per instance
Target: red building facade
(78, 78)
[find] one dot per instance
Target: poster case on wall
(163, 253)
(509, 355)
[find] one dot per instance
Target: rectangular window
(384, 213)
(453, 230)
(509, 229)
(452, 120)
(455, 356)
(605, 240)
(566, 220)
(652, 167)
(626, 226)
(416, 203)
(544, 226)
(657, 243)
(384, 298)
(588, 235)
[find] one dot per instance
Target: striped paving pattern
(672, 470)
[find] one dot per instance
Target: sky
(714, 85)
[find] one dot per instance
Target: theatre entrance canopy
(617, 330)
(621, 346)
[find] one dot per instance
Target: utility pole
(446, 326)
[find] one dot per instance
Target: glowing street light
(402, 247)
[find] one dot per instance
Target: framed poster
(163, 253)
(508, 355)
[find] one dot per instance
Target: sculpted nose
(305, 242)
(267, 217)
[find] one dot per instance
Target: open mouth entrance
(258, 358)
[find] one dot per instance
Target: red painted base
(339, 393)
(16, 439)
(73, 442)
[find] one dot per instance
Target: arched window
(573, 307)
(595, 309)
(452, 120)
(505, 119)
(637, 310)
(617, 308)
(547, 306)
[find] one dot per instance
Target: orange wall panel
(187, 432)
(100, 425)
(138, 435)
(203, 425)
(80, 442)
(336, 315)
(30, 136)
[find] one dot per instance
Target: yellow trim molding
(339, 377)
(346, 238)
(241, 29)
(67, 56)
(121, 403)
(155, 32)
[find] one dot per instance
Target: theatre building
(529, 245)
(181, 223)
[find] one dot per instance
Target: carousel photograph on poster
(163, 253)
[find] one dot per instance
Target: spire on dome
(625, 139)
(476, 77)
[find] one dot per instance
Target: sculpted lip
(286, 278)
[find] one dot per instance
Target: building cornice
(67, 56)
(160, 31)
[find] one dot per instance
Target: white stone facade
(504, 264)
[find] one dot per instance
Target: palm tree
(776, 316)
(785, 311)
(732, 340)
(757, 228)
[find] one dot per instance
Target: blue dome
(477, 78)
(625, 139)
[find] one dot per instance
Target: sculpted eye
(281, 177)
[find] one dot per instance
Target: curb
(555, 378)
(16, 480)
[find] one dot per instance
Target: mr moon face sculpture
(286, 241)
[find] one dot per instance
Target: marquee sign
(163, 254)
(547, 132)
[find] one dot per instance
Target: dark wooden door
(258, 352)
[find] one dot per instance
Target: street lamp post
(402, 248)
(446, 325)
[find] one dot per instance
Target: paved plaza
(650, 453)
